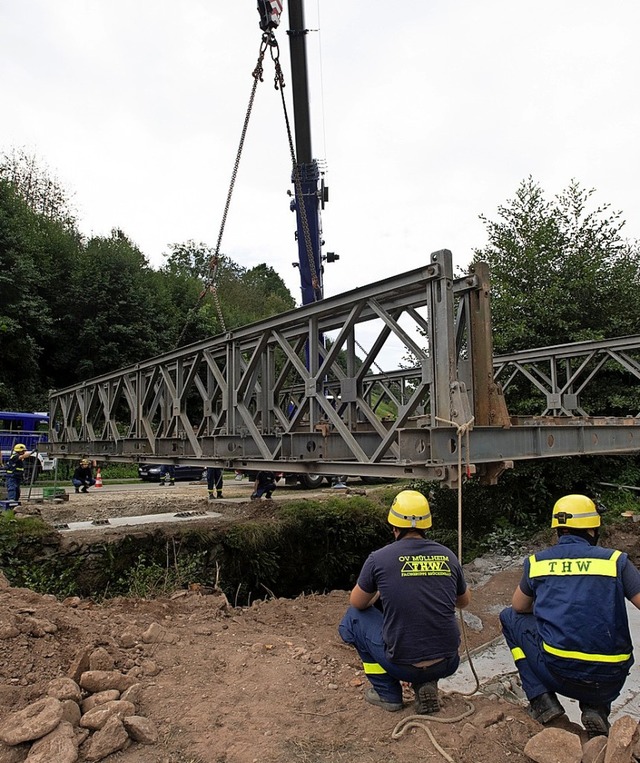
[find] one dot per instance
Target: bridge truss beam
(298, 393)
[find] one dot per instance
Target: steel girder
(562, 373)
(297, 393)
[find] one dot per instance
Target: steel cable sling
(210, 282)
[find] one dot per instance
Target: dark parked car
(151, 473)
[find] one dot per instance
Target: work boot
(595, 719)
(545, 708)
(219, 495)
(373, 698)
(85, 489)
(268, 496)
(211, 495)
(172, 483)
(427, 701)
(77, 490)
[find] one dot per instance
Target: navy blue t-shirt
(419, 581)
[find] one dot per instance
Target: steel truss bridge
(303, 392)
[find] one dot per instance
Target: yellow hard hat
(575, 511)
(20, 447)
(85, 462)
(410, 509)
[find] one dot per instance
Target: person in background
(83, 477)
(415, 638)
(167, 475)
(567, 626)
(214, 482)
(265, 484)
(15, 470)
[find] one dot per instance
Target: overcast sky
(427, 113)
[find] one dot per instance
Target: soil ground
(267, 683)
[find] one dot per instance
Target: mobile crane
(311, 193)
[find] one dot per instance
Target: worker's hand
(24, 455)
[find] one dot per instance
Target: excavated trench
(145, 544)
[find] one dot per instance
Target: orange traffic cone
(98, 478)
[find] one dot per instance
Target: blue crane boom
(310, 191)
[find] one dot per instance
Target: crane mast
(313, 192)
(310, 191)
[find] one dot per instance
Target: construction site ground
(261, 683)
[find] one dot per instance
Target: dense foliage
(72, 308)
(561, 271)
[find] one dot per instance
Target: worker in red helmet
(415, 638)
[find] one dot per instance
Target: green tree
(561, 270)
(244, 295)
(36, 252)
(34, 183)
(71, 309)
(116, 314)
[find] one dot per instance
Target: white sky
(427, 112)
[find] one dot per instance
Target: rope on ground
(420, 722)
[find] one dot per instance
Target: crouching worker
(415, 638)
(265, 484)
(567, 626)
(83, 476)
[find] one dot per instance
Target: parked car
(151, 473)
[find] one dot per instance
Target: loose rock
(98, 717)
(64, 688)
(554, 746)
(100, 659)
(623, 735)
(59, 746)
(102, 680)
(99, 699)
(33, 722)
(156, 634)
(141, 729)
(112, 738)
(593, 750)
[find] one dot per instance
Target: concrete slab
(495, 661)
(173, 517)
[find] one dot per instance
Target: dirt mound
(267, 683)
(271, 682)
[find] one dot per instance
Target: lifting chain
(268, 42)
